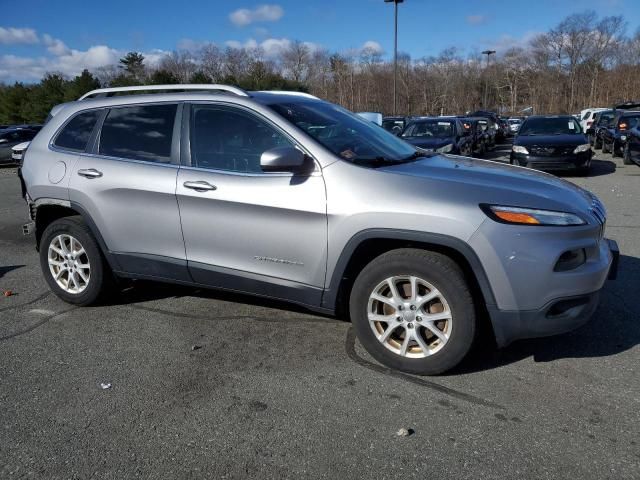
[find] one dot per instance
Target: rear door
(127, 184)
(244, 229)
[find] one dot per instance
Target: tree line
(585, 60)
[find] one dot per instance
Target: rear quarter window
(76, 133)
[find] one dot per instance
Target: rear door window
(75, 134)
(139, 133)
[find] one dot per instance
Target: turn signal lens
(517, 217)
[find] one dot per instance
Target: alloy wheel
(409, 316)
(69, 264)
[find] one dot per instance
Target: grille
(551, 151)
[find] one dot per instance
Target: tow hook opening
(563, 306)
(28, 228)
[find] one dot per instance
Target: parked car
(600, 121)
(10, 138)
(478, 135)
(587, 117)
(395, 125)
(514, 125)
(493, 119)
(631, 152)
(17, 152)
(552, 143)
(614, 134)
(439, 134)
(286, 196)
(487, 128)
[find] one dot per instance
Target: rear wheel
(412, 310)
(626, 156)
(72, 263)
(614, 149)
(597, 143)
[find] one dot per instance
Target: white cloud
(70, 63)
(505, 42)
(372, 47)
(262, 13)
(271, 47)
(476, 19)
(12, 35)
(54, 45)
(191, 45)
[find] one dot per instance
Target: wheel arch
(369, 244)
(46, 211)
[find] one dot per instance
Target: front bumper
(557, 316)
(565, 162)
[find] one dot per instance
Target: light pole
(395, 52)
(488, 53)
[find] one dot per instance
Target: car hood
(482, 181)
(428, 142)
(556, 140)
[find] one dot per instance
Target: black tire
(597, 143)
(605, 147)
(447, 277)
(614, 150)
(100, 279)
(626, 156)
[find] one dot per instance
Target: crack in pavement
(350, 347)
(38, 298)
(37, 324)
(237, 317)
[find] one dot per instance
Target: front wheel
(605, 147)
(597, 143)
(614, 149)
(72, 263)
(412, 310)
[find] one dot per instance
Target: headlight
(582, 148)
(519, 149)
(623, 138)
(530, 216)
(446, 149)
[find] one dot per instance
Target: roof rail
(288, 92)
(107, 92)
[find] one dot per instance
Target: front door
(244, 229)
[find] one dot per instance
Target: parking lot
(211, 385)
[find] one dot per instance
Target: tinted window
(139, 133)
(345, 134)
(76, 133)
(551, 126)
(431, 129)
(229, 139)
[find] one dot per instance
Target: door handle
(90, 173)
(200, 186)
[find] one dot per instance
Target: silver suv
(283, 195)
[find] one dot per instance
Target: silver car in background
(286, 196)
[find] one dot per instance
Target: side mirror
(397, 130)
(282, 159)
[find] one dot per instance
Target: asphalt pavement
(201, 384)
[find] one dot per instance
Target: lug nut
(399, 319)
(410, 325)
(413, 307)
(418, 319)
(400, 307)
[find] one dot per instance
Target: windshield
(345, 134)
(605, 118)
(430, 129)
(551, 126)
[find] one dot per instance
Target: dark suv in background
(439, 134)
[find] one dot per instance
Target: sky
(67, 36)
